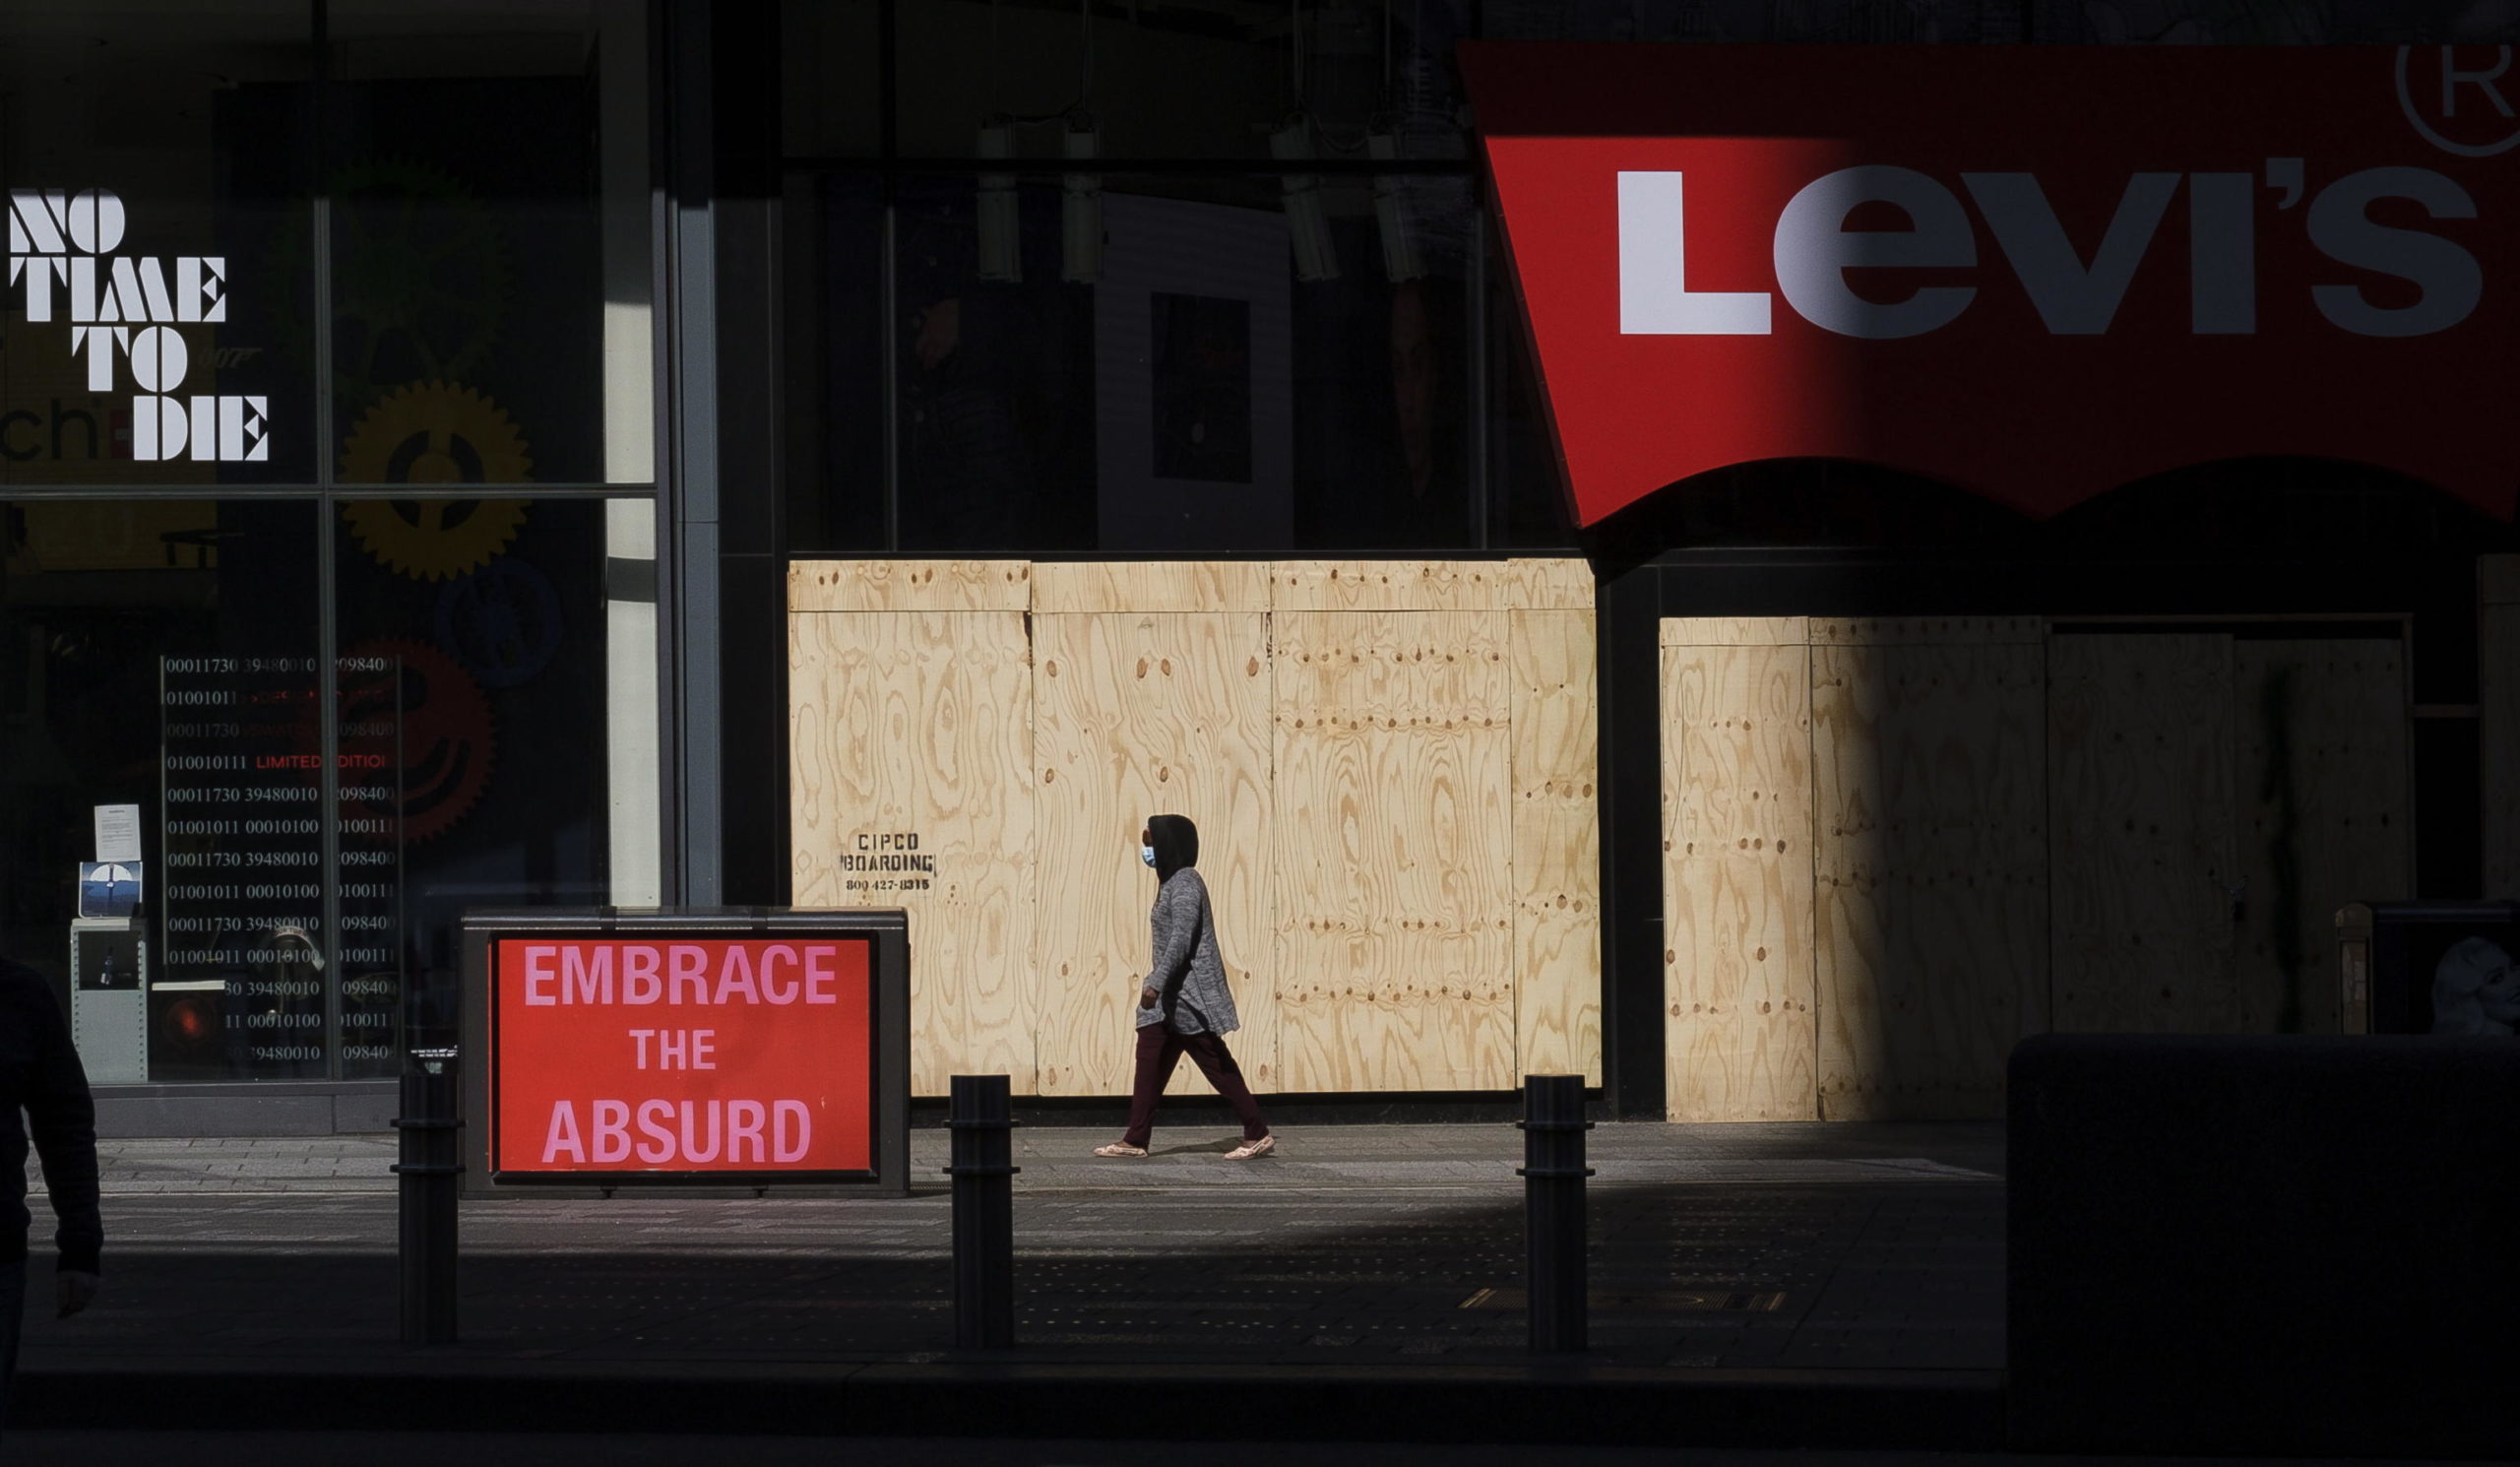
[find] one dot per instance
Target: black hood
(1175, 840)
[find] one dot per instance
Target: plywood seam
(1811, 849)
(805, 596)
(1277, 913)
(1513, 848)
(1033, 792)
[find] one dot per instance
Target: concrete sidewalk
(1772, 1263)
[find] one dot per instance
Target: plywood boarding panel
(2322, 792)
(921, 725)
(1392, 848)
(1930, 862)
(2143, 870)
(1735, 631)
(1385, 585)
(1114, 586)
(909, 586)
(1557, 859)
(1553, 585)
(2499, 715)
(1137, 715)
(1737, 828)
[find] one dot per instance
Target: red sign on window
(2037, 272)
(668, 1054)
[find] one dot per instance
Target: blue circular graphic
(502, 623)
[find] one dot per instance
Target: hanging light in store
(1307, 222)
(1400, 258)
(1081, 209)
(1001, 238)
(1081, 201)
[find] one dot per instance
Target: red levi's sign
(671, 1054)
(2033, 271)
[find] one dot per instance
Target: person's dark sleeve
(62, 1119)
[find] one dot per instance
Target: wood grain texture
(1552, 585)
(1115, 586)
(1427, 903)
(1140, 714)
(1740, 1043)
(1931, 864)
(1557, 850)
(1385, 585)
(2323, 733)
(1735, 631)
(2498, 721)
(909, 586)
(921, 724)
(2141, 819)
(1393, 846)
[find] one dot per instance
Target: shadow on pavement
(1896, 1275)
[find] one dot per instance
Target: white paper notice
(118, 832)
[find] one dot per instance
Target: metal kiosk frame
(889, 1034)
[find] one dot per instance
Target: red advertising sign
(2035, 272)
(662, 1054)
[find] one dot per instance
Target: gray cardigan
(1188, 973)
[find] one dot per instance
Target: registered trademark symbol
(2478, 89)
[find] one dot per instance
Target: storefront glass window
(163, 654)
(1337, 79)
(153, 156)
(1191, 363)
(831, 82)
(474, 638)
(320, 723)
(487, 173)
(837, 492)
(160, 654)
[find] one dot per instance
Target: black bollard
(983, 1120)
(1553, 1232)
(428, 1171)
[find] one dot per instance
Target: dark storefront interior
(174, 626)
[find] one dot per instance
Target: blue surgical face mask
(1147, 855)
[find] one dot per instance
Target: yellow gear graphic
(435, 433)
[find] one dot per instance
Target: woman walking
(1184, 1005)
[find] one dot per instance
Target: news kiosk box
(723, 1049)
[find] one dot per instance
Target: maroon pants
(1159, 1050)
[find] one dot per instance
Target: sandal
(1119, 1148)
(1249, 1149)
